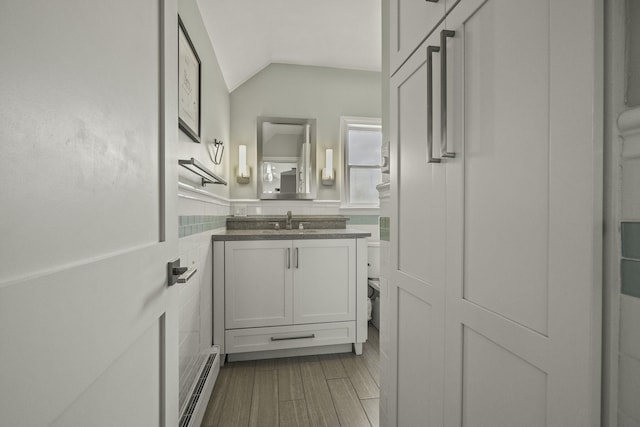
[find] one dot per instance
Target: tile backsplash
(385, 228)
(193, 224)
(631, 240)
(630, 277)
(630, 263)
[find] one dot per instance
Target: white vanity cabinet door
(324, 280)
(258, 284)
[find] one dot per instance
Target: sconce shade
(327, 172)
(244, 171)
(242, 162)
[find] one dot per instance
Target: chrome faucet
(288, 224)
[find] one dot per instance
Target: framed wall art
(188, 85)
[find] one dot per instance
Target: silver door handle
(300, 337)
(177, 274)
(433, 1)
(288, 258)
(184, 277)
(443, 92)
(430, 156)
(297, 258)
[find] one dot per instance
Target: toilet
(373, 274)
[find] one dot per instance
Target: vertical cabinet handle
(430, 157)
(297, 258)
(443, 91)
(288, 258)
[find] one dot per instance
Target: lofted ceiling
(248, 35)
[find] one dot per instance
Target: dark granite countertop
(266, 222)
(342, 233)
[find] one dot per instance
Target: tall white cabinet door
(258, 283)
(417, 280)
(411, 21)
(324, 280)
(524, 214)
(88, 172)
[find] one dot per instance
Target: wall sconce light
(328, 176)
(244, 171)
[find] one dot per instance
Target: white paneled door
(88, 325)
(410, 23)
(495, 288)
(418, 247)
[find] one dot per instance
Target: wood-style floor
(334, 390)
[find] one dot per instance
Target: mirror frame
(260, 174)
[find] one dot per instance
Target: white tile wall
(629, 362)
(629, 333)
(625, 421)
(630, 328)
(196, 308)
(629, 386)
(280, 207)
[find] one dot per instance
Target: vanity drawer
(284, 337)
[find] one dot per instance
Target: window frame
(346, 124)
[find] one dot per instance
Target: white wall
(194, 202)
(633, 53)
(214, 104)
(298, 91)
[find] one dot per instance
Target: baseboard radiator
(193, 411)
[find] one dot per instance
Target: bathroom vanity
(289, 289)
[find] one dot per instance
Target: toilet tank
(373, 260)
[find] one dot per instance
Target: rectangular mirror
(286, 158)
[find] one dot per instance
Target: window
(362, 146)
